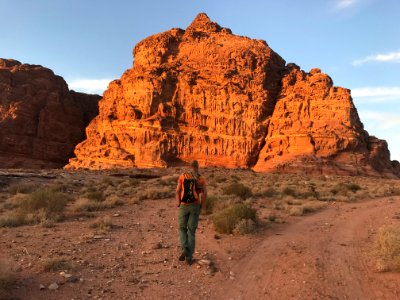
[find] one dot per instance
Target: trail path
(326, 255)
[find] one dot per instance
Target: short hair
(195, 164)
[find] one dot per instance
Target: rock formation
(41, 121)
(226, 100)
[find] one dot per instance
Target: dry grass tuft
(209, 206)
(245, 226)
(54, 265)
(102, 223)
(227, 219)
(237, 189)
(387, 248)
(305, 208)
(87, 205)
(43, 206)
(7, 278)
(22, 188)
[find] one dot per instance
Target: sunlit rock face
(226, 100)
(41, 121)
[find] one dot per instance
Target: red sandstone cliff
(226, 100)
(41, 121)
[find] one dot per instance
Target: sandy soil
(324, 255)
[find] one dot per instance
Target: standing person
(191, 194)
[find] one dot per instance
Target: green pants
(188, 220)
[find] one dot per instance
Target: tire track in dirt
(321, 256)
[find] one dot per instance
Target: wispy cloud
(343, 4)
(91, 86)
(377, 94)
(389, 57)
(381, 120)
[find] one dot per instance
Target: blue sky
(90, 42)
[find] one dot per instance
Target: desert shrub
(53, 265)
(272, 218)
(107, 181)
(227, 219)
(7, 278)
(87, 205)
(343, 188)
(44, 199)
(235, 178)
(220, 179)
(244, 226)
(42, 206)
(354, 187)
(95, 195)
(102, 223)
(387, 248)
(12, 219)
(278, 205)
(114, 200)
(169, 180)
(156, 193)
(237, 189)
(393, 191)
(210, 205)
(305, 208)
(269, 193)
(23, 188)
(59, 187)
(288, 191)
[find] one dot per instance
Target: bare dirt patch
(129, 249)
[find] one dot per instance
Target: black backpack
(190, 185)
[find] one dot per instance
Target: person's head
(195, 165)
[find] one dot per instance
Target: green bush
(227, 219)
(237, 189)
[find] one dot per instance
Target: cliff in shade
(226, 100)
(41, 121)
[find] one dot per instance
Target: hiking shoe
(189, 261)
(182, 256)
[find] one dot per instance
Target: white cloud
(389, 57)
(91, 86)
(385, 126)
(381, 120)
(343, 4)
(377, 94)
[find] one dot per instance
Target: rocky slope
(226, 100)
(41, 121)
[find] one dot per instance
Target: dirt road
(322, 256)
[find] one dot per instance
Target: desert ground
(114, 235)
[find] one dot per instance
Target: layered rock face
(204, 93)
(41, 121)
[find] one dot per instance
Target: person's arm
(203, 194)
(178, 192)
